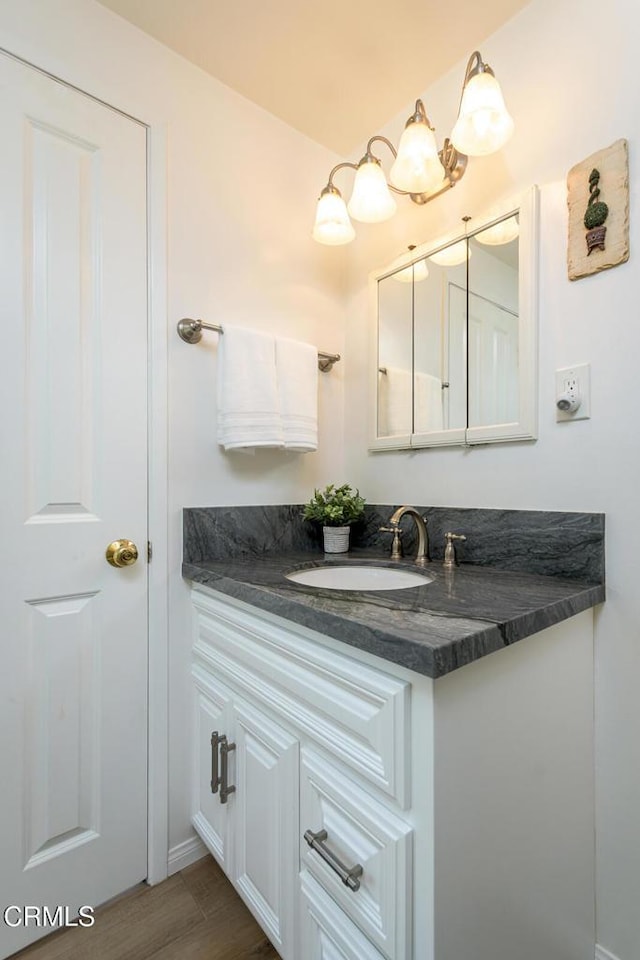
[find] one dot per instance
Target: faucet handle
(396, 546)
(450, 560)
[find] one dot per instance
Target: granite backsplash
(550, 543)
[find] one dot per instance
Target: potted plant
(336, 508)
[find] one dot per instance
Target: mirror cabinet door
(457, 339)
(394, 412)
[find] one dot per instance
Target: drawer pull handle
(225, 787)
(350, 876)
(215, 779)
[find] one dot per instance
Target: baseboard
(602, 954)
(186, 853)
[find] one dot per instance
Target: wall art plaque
(598, 199)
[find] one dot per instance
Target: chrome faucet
(422, 553)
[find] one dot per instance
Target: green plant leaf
(335, 506)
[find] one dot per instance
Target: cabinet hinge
(149, 551)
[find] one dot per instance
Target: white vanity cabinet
(381, 815)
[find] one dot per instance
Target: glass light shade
(483, 124)
(371, 201)
(451, 256)
(417, 168)
(332, 225)
(413, 273)
(503, 232)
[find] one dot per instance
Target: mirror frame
(526, 427)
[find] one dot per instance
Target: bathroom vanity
(374, 784)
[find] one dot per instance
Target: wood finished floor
(194, 915)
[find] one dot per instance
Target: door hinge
(149, 551)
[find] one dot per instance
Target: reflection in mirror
(395, 321)
(492, 327)
(440, 397)
(452, 255)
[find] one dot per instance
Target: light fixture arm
(339, 166)
(475, 65)
(387, 143)
(379, 137)
(454, 162)
(419, 115)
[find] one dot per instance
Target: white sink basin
(354, 577)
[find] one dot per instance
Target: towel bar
(191, 332)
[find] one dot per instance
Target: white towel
(428, 403)
(394, 402)
(248, 402)
(297, 374)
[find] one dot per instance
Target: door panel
(73, 451)
(61, 732)
(62, 263)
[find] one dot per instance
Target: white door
(73, 640)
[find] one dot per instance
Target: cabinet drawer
(360, 832)
(326, 933)
(357, 713)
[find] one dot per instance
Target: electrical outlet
(573, 392)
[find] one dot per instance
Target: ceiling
(337, 71)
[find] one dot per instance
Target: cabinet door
(326, 932)
(265, 822)
(213, 714)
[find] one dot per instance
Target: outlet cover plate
(575, 379)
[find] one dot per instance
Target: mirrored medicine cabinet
(456, 345)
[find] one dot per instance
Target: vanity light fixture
(419, 171)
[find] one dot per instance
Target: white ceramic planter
(336, 539)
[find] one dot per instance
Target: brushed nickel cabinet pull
(225, 787)
(350, 876)
(215, 779)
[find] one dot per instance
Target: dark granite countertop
(460, 616)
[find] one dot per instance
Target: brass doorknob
(122, 553)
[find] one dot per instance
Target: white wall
(569, 73)
(241, 197)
